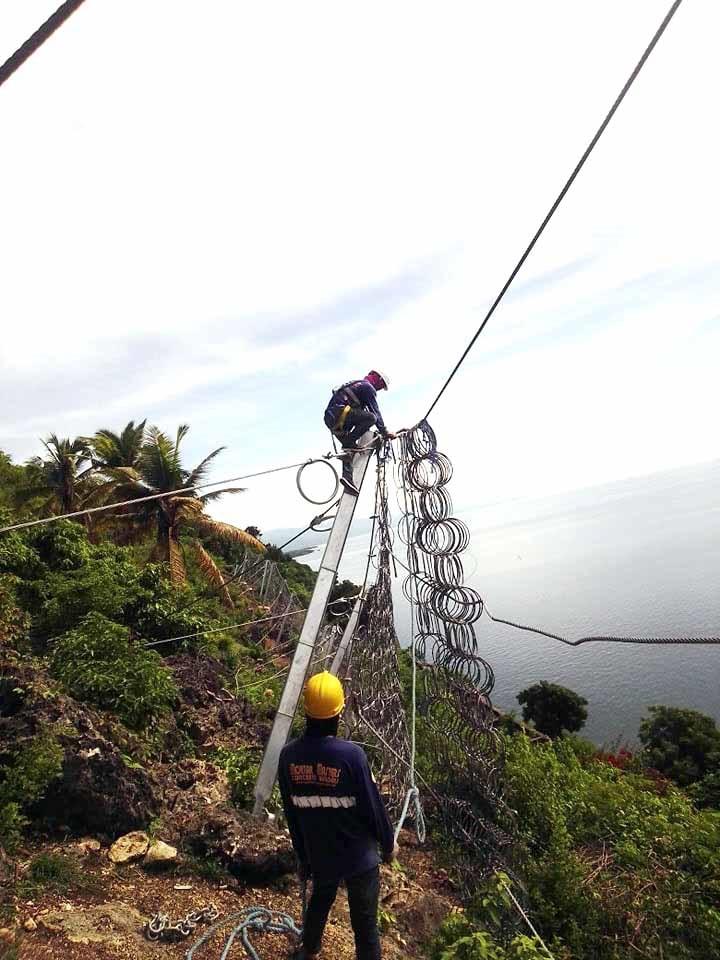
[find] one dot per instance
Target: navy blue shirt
(367, 397)
(336, 816)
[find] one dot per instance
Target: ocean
(638, 557)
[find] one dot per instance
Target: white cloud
(202, 211)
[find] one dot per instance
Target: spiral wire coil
(454, 708)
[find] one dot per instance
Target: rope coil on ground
(253, 920)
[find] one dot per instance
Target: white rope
(526, 918)
(413, 794)
(232, 626)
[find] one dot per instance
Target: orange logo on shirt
(315, 774)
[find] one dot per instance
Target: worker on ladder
(338, 823)
(352, 411)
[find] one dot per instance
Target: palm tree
(62, 472)
(158, 470)
(117, 450)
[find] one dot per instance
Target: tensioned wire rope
(43, 32)
(170, 493)
(576, 643)
(558, 200)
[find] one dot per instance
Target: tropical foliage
(683, 745)
(98, 663)
(552, 708)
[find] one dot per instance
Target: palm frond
(215, 494)
(159, 462)
(201, 469)
(178, 573)
(212, 574)
(226, 531)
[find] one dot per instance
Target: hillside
(132, 699)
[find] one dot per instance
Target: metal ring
(302, 492)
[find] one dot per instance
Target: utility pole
(310, 629)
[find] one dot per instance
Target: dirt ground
(105, 921)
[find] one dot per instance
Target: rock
(160, 854)
(6, 935)
(96, 792)
(130, 847)
(111, 923)
(87, 846)
(30, 925)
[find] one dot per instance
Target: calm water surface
(639, 557)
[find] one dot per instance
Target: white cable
(526, 918)
(233, 626)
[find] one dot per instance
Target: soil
(105, 920)
(100, 796)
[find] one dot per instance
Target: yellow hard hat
(324, 696)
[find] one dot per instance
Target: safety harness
(347, 394)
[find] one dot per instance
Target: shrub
(459, 939)
(61, 546)
(14, 622)
(242, 770)
(104, 584)
(706, 792)
(100, 664)
(684, 745)
(553, 708)
(611, 866)
(26, 774)
(159, 609)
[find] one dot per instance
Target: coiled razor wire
(466, 805)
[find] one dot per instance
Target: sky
(215, 213)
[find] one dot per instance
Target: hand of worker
(393, 856)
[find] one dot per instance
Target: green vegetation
(26, 774)
(612, 864)
(99, 663)
(618, 855)
(241, 768)
(683, 745)
(54, 873)
(552, 708)
(208, 868)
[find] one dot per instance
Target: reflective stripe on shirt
(336, 803)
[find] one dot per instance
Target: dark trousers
(363, 893)
(357, 422)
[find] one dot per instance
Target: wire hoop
(298, 481)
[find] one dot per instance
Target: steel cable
(558, 200)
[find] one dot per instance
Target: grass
(208, 868)
(54, 873)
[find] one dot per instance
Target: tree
(65, 472)
(684, 745)
(117, 449)
(158, 470)
(553, 708)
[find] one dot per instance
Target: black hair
(322, 728)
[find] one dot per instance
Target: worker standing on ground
(338, 823)
(352, 410)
